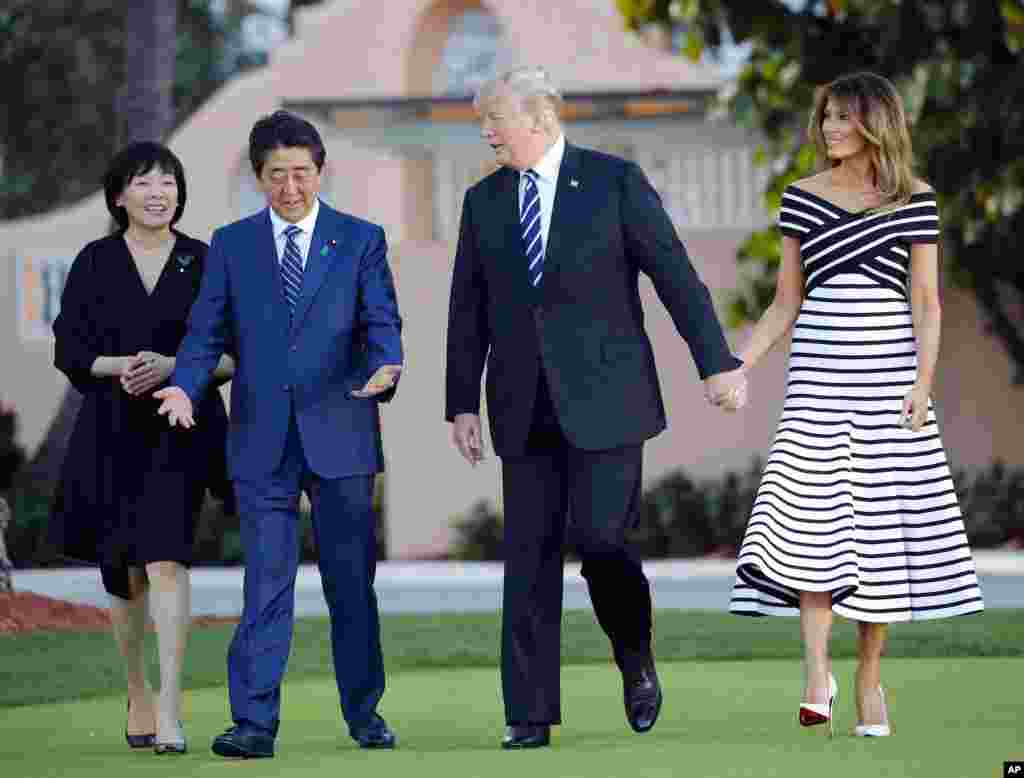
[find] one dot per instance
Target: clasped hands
(144, 371)
(727, 390)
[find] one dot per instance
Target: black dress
(131, 486)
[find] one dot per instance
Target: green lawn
(57, 666)
(952, 718)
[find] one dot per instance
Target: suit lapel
(321, 255)
(563, 210)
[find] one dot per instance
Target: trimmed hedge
(217, 538)
(681, 517)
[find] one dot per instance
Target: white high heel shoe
(876, 730)
(812, 714)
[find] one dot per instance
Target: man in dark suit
(303, 297)
(544, 292)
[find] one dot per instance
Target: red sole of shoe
(810, 718)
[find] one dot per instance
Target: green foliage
(217, 541)
(960, 68)
(680, 517)
(26, 534)
(993, 505)
(480, 533)
(12, 456)
(62, 64)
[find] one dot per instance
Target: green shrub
(12, 456)
(993, 505)
(217, 536)
(480, 533)
(680, 517)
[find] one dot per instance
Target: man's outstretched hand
(176, 406)
(385, 378)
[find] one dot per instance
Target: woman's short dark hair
(138, 159)
(284, 130)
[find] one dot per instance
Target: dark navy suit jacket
(346, 325)
(584, 325)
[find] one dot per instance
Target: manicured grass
(952, 718)
(56, 666)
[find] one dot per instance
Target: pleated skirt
(851, 502)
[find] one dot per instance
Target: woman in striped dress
(856, 513)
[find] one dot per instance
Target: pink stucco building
(387, 85)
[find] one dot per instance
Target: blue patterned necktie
(291, 268)
(529, 222)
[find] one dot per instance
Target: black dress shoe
(529, 736)
(243, 743)
(641, 693)
(377, 734)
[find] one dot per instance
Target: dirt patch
(23, 612)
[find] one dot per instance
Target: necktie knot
(291, 231)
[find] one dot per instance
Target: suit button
(293, 347)
(287, 387)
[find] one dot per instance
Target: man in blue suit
(303, 297)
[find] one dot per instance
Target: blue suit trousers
(343, 523)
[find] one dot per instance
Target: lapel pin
(330, 246)
(183, 262)
(574, 183)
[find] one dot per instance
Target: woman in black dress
(131, 487)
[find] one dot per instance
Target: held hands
(727, 390)
(176, 406)
(915, 409)
(382, 380)
(145, 371)
(466, 434)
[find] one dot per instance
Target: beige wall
(352, 48)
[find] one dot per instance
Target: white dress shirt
(302, 240)
(547, 181)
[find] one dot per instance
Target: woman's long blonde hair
(876, 110)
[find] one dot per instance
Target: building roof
(360, 49)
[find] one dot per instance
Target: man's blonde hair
(532, 85)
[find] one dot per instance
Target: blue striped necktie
(291, 268)
(529, 222)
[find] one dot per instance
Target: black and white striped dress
(850, 502)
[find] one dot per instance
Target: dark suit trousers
(552, 493)
(343, 523)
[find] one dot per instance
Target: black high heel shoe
(138, 741)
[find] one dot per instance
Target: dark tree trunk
(145, 102)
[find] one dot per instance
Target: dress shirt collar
(307, 224)
(547, 168)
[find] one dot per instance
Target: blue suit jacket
(346, 325)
